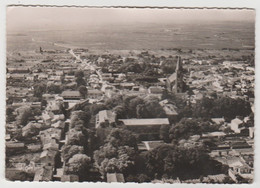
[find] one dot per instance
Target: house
(47, 117)
(30, 77)
(149, 145)
(7, 137)
(71, 95)
(107, 77)
(59, 73)
(44, 174)
(18, 70)
(43, 76)
(47, 157)
(32, 128)
(69, 178)
(237, 166)
(169, 108)
(15, 145)
(105, 118)
(47, 135)
(218, 178)
(48, 96)
(155, 90)
(59, 124)
(54, 78)
(115, 177)
(218, 121)
(51, 146)
(69, 78)
(95, 94)
(54, 106)
(147, 129)
(127, 85)
(107, 87)
(235, 125)
(17, 77)
(214, 135)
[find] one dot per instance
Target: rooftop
(115, 177)
(153, 121)
(70, 93)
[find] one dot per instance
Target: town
(186, 116)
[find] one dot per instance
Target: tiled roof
(154, 121)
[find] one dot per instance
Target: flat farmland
(217, 35)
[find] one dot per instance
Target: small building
(44, 174)
(18, 69)
(52, 133)
(149, 145)
(218, 120)
(147, 129)
(105, 118)
(115, 177)
(15, 145)
(71, 95)
(127, 85)
(69, 178)
(214, 135)
(95, 94)
(51, 146)
(48, 157)
(155, 90)
(59, 124)
(235, 125)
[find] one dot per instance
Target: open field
(203, 35)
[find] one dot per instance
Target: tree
(120, 111)
(132, 106)
(150, 109)
(203, 108)
(110, 159)
(79, 117)
(114, 101)
(68, 151)
(184, 129)
(173, 161)
(31, 130)
(54, 89)
(164, 133)
(122, 137)
(43, 103)
(24, 113)
(76, 138)
(39, 90)
(230, 108)
(9, 114)
(79, 164)
(80, 78)
(222, 107)
(80, 81)
(83, 91)
(79, 74)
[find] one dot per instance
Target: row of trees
(118, 153)
(74, 152)
(210, 107)
(171, 161)
(126, 107)
(225, 107)
(135, 107)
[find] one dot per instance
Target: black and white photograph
(130, 94)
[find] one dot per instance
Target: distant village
(72, 115)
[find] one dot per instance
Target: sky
(68, 17)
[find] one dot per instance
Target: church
(175, 83)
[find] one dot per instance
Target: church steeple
(175, 83)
